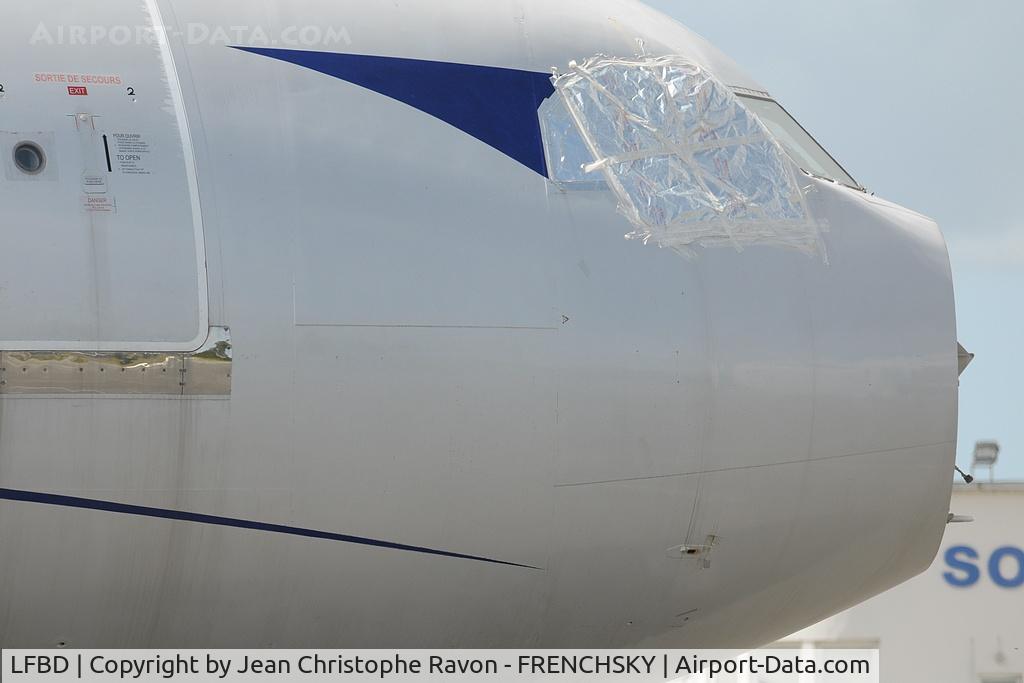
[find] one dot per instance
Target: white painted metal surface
(438, 349)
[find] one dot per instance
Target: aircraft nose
(835, 415)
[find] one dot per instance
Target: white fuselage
(462, 410)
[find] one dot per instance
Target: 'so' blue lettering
(970, 573)
(995, 569)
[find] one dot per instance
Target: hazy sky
(922, 101)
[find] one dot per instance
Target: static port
(29, 158)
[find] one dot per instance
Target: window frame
(743, 94)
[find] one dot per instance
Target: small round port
(29, 158)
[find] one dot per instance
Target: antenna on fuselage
(968, 479)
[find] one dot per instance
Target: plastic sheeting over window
(690, 165)
(567, 153)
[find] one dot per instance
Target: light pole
(986, 453)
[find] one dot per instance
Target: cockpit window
(687, 162)
(807, 153)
